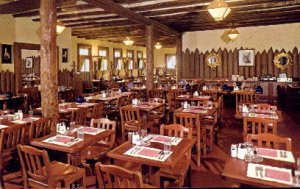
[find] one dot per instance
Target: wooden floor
(209, 174)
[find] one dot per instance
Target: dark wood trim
(17, 48)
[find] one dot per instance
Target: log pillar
(150, 57)
(179, 65)
(49, 66)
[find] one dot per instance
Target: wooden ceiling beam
(109, 5)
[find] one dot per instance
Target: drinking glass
(80, 134)
(72, 125)
(20, 114)
(130, 137)
(248, 155)
(139, 141)
(192, 103)
(167, 147)
(30, 112)
(144, 132)
(298, 163)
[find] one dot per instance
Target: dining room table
(70, 143)
(275, 170)
(152, 155)
(266, 114)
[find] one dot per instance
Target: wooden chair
(268, 140)
(112, 176)
(39, 172)
(243, 98)
(253, 125)
(210, 123)
(157, 93)
(79, 116)
(158, 115)
(9, 139)
(103, 146)
(179, 172)
(193, 121)
(97, 111)
(211, 93)
(172, 104)
(40, 128)
(131, 120)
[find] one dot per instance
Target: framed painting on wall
(29, 62)
(6, 54)
(246, 57)
(65, 55)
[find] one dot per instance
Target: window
(170, 61)
(140, 59)
(84, 58)
(117, 54)
(130, 57)
(104, 53)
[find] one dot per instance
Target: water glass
(139, 141)
(30, 112)
(80, 134)
(298, 163)
(144, 132)
(167, 147)
(130, 137)
(72, 125)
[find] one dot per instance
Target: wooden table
(236, 170)
(242, 115)
(192, 98)
(177, 155)
(75, 149)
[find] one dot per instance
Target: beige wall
(159, 56)
(260, 38)
(24, 30)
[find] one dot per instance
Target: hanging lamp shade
(59, 27)
(219, 10)
(158, 45)
(128, 41)
(233, 33)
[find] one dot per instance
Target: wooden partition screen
(66, 78)
(194, 66)
(7, 81)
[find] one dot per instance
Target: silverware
(159, 154)
(162, 155)
(260, 169)
(284, 154)
(135, 150)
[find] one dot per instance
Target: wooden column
(179, 65)
(48, 52)
(150, 57)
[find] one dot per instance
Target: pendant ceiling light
(128, 41)
(219, 10)
(158, 45)
(233, 33)
(59, 27)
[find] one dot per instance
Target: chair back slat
(12, 136)
(176, 130)
(79, 116)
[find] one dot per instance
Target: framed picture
(29, 62)
(6, 54)
(65, 55)
(246, 57)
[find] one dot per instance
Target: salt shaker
(233, 150)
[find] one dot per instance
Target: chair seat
(61, 170)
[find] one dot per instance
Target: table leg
(189, 175)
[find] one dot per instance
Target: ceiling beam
(111, 6)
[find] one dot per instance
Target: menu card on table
(62, 140)
(85, 105)
(267, 116)
(183, 96)
(148, 153)
(195, 110)
(269, 173)
(162, 139)
(90, 130)
(280, 155)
